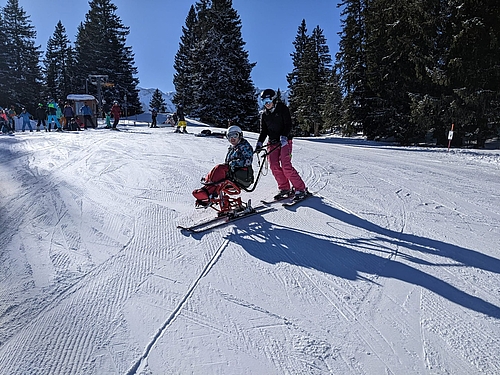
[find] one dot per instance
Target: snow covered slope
(392, 268)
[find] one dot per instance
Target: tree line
(406, 70)
(28, 76)
(415, 67)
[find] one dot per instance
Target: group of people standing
(7, 120)
(52, 116)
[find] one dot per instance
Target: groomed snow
(391, 268)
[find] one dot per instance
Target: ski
(223, 220)
(276, 200)
(286, 201)
(267, 203)
(293, 203)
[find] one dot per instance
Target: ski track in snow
(391, 268)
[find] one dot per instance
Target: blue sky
(268, 28)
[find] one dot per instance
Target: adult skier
(86, 111)
(115, 112)
(11, 114)
(52, 115)
(181, 120)
(41, 115)
(276, 123)
(154, 114)
(68, 114)
(26, 116)
(4, 122)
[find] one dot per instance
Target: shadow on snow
(349, 257)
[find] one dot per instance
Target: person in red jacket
(276, 123)
(115, 112)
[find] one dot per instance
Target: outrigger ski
(223, 220)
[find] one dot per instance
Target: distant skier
(59, 116)
(26, 116)
(115, 113)
(52, 115)
(87, 116)
(181, 121)
(41, 115)
(4, 122)
(108, 120)
(11, 114)
(154, 114)
(68, 114)
(73, 125)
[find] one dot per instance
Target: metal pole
(126, 112)
(99, 78)
(99, 96)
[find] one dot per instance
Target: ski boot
(283, 194)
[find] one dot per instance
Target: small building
(79, 100)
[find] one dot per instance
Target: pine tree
(218, 73)
(4, 68)
(410, 67)
(428, 107)
(101, 49)
(351, 64)
(293, 78)
(183, 63)
(473, 68)
(308, 81)
(279, 96)
(22, 57)
(58, 64)
(332, 110)
(157, 101)
(391, 73)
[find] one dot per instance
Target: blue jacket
(25, 116)
(240, 156)
(86, 111)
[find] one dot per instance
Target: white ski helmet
(234, 129)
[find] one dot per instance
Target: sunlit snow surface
(391, 268)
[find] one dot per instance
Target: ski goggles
(233, 135)
(266, 101)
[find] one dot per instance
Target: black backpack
(243, 176)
